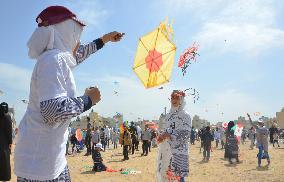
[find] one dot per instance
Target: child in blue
(262, 141)
(97, 158)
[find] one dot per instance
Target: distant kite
(187, 57)
(257, 113)
(25, 101)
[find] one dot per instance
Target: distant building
(95, 119)
(244, 122)
(280, 118)
(81, 123)
(199, 123)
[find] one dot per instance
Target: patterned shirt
(97, 158)
(179, 127)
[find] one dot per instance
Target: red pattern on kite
(154, 61)
(188, 54)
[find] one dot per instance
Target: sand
(217, 169)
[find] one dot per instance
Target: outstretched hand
(112, 36)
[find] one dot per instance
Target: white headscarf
(63, 36)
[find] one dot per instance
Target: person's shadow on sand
(230, 165)
(279, 148)
(119, 160)
(88, 172)
(202, 162)
(262, 168)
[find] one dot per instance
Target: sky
(239, 70)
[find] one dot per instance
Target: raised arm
(84, 51)
(254, 125)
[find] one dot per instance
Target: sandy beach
(216, 170)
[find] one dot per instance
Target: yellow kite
(155, 56)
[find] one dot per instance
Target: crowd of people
(99, 139)
(110, 137)
(258, 135)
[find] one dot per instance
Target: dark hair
(207, 128)
(231, 124)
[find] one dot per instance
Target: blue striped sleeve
(63, 109)
(85, 51)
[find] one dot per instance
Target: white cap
(99, 145)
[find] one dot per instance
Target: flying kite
(155, 54)
(192, 92)
(161, 88)
(257, 113)
(224, 125)
(238, 129)
(25, 101)
(187, 57)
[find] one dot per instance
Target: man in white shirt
(107, 135)
(146, 138)
(217, 136)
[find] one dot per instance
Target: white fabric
(139, 131)
(63, 36)
(164, 154)
(40, 151)
(99, 145)
(107, 132)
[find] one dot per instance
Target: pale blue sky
(242, 74)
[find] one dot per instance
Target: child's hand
(112, 36)
(94, 94)
(162, 137)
